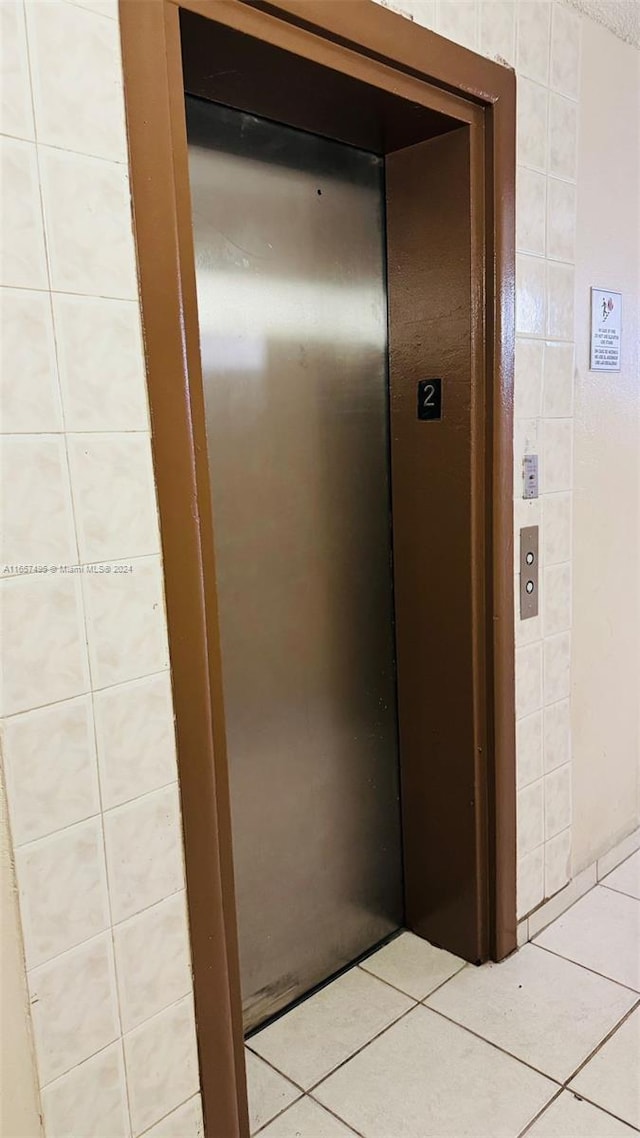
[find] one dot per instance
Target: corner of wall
(20, 1109)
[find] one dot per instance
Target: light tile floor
(414, 1043)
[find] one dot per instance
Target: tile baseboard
(549, 910)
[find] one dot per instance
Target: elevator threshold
(283, 1012)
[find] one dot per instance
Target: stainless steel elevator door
(288, 231)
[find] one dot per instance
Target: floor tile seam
(616, 889)
(416, 999)
(576, 901)
(496, 1046)
(276, 1070)
(550, 1078)
(604, 1109)
(308, 1090)
(275, 1117)
(543, 1110)
(581, 1098)
(614, 1030)
(561, 1082)
(261, 1129)
(553, 952)
(314, 1087)
(333, 1114)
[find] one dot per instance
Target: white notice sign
(606, 329)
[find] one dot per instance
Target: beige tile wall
(88, 738)
(88, 732)
(542, 41)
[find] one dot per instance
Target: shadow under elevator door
(289, 244)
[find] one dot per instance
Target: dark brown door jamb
(361, 40)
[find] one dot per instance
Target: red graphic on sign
(607, 308)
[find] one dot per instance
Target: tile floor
(414, 1043)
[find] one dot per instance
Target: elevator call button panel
(430, 399)
(529, 574)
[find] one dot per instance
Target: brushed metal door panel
(288, 231)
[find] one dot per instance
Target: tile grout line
(290, 1105)
(401, 991)
(196, 1094)
(308, 1091)
(603, 1109)
(87, 691)
(416, 1003)
(602, 1043)
(103, 932)
(496, 1046)
(64, 291)
(576, 963)
(589, 889)
(540, 1113)
(613, 889)
(80, 598)
(102, 812)
(274, 1117)
(359, 1051)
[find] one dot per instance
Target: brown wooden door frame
(358, 38)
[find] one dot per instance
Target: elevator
(289, 240)
(257, 336)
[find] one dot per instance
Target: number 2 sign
(429, 399)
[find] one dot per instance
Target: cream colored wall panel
(29, 396)
(606, 524)
(565, 51)
(531, 880)
(92, 332)
(560, 301)
(534, 32)
(37, 518)
(186, 1121)
(557, 455)
(528, 378)
(557, 400)
(135, 738)
(50, 767)
(16, 111)
(529, 749)
(19, 1102)
(528, 680)
(556, 527)
(498, 30)
(87, 207)
(114, 495)
(458, 20)
(63, 890)
(126, 625)
(162, 1064)
(563, 136)
(533, 113)
(557, 735)
(79, 105)
(531, 203)
(22, 254)
(531, 295)
(557, 862)
(530, 818)
(90, 1100)
(78, 468)
(144, 852)
(557, 663)
(44, 644)
(153, 961)
(74, 1006)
